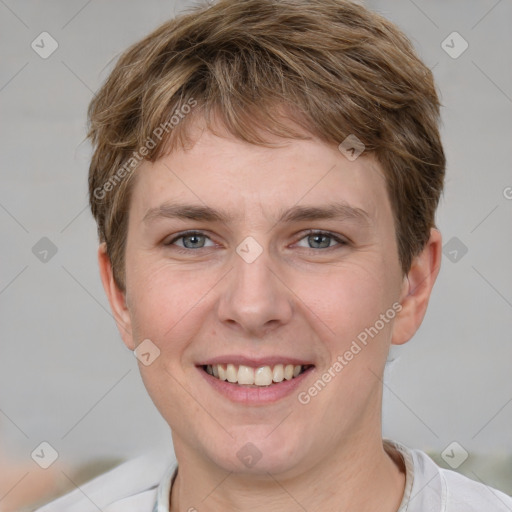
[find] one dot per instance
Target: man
(265, 180)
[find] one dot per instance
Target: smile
(244, 375)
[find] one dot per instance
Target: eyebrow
(336, 211)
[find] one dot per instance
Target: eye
(191, 240)
(314, 240)
(321, 240)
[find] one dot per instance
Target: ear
(416, 289)
(116, 297)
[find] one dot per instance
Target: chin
(255, 452)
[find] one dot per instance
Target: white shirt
(138, 486)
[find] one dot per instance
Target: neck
(358, 476)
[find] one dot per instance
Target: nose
(254, 298)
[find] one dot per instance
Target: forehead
(231, 180)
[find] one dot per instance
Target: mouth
(255, 377)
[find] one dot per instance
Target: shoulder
(463, 493)
(441, 490)
(131, 486)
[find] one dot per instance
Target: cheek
(167, 303)
(166, 310)
(347, 299)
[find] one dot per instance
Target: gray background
(65, 375)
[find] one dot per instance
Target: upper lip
(254, 362)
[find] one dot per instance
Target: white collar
(164, 489)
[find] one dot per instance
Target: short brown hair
(331, 67)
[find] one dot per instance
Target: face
(262, 258)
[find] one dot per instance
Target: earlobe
(416, 289)
(116, 297)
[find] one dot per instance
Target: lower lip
(255, 395)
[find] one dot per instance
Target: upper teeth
(260, 376)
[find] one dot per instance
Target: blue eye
(191, 240)
(321, 240)
(314, 240)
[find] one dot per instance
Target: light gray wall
(65, 375)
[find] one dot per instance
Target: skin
(297, 298)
